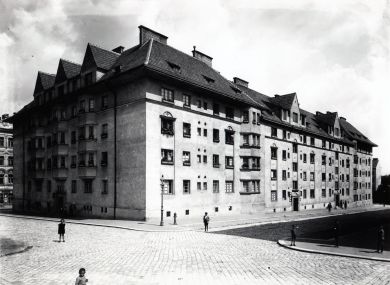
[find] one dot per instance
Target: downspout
(23, 169)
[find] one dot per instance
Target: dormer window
(167, 95)
(208, 79)
(285, 114)
(295, 117)
(303, 120)
(174, 66)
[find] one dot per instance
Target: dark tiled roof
(284, 101)
(329, 118)
(71, 69)
(47, 79)
(104, 59)
(354, 134)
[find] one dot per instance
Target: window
(199, 158)
(74, 186)
(229, 136)
(186, 186)
(311, 176)
(91, 132)
(104, 133)
(229, 162)
(304, 193)
(205, 132)
(186, 158)
(312, 158)
(215, 186)
(215, 135)
(245, 186)
(274, 132)
(312, 194)
(295, 185)
(245, 117)
(284, 194)
(323, 177)
(229, 187)
(186, 100)
(73, 161)
(91, 159)
(323, 159)
(284, 175)
(284, 115)
(48, 186)
(304, 158)
(81, 134)
(295, 166)
(304, 139)
(166, 156)
(330, 176)
(274, 174)
(204, 185)
(295, 117)
(312, 141)
(284, 155)
(62, 137)
(295, 148)
(304, 176)
(274, 195)
(88, 185)
(10, 160)
(62, 162)
(186, 130)
(323, 193)
(216, 160)
(104, 102)
(104, 161)
(2, 142)
(245, 140)
(245, 163)
(199, 131)
(167, 95)
(216, 109)
(72, 138)
(284, 134)
(168, 187)
(91, 105)
(199, 103)
(204, 158)
(323, 143)
(205, 105)
(167, 125)
(274, 153)
(229, 113)
(82, 106)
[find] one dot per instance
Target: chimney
(342, 118)
(145, 34)
(4, 116)
(202, 57)
(118, 49)
(276, 95)
(240, 82)
(318, 113)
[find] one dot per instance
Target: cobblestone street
(118, 256)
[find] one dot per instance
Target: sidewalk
(217, 223)
(325, 247)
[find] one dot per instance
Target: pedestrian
(329, 207)
(345, 204)
(81, 280)
(206, 220)
(61, 230)
(336, 233)
(293, 235)
(381, 239)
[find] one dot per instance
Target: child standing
(81, 280)
(61, 230)
(206, 220)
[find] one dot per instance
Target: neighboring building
(6, 161)
(376, 174)
(99, 136)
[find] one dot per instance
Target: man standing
(293, 235)
(381, 239)
(329, 207)
(206, 220)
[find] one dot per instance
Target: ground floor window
(284, 195)
(323, 193)
(274, 195)
(312, 194)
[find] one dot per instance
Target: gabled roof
(284, 101)
(44, 81)
(98, 57)
(354, 134)
(329, 118)
(66, 70)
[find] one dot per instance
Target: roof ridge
(96, 46)
(69, 61)
(42, 72)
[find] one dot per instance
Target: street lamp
(162, 200)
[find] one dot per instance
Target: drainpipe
(23, 169)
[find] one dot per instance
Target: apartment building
(105, 137)
(6, 161)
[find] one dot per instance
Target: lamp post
(162, 200)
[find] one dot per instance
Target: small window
(104, 102)
(245, 117)
(104, 186)
(295, 117)
(312, 194)
(229, 113)
(216, 109)
(167, 126)
(229, 187)
(104, 161)
(274, 195)
(88, 185)
(186, 158)
(274, 174)
(215, 135)
(274, 153)
(216, 161)
(274, 132)
(91, 105)
(166, 156)
(186, 186)
(205, 105)
(167, 95)
(186, 130)
(229, 136)
(168, 187)
(104, 133)
(186, 100)
(229, 162)
(215, 186)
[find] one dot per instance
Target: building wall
(6, 167)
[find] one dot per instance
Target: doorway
(295, 204)
(337, 199)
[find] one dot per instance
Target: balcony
(60, 149)
(87, 171)
(60, 173)
(88, 118)
(87, 145)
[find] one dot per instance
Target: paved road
(117, 256)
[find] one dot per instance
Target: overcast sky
(334, 54)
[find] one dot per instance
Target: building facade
(6, 161)
(106, 137)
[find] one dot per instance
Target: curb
(283, 244)
(16, 252)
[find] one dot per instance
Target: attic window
(235, 89)
(174, 66)
(208, 79)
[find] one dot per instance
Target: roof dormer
(66, 70)
(44, 81)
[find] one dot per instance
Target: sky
(333, 54)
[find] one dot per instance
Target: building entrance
(295, 203)
(337, 199)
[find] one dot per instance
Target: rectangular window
(91, 132)
(304, 176)
(205, 105)
(284, 155)
(229, 162)
(274, 195)
(295, 166)
(74, 186)
(245, 117)
(104, 161)
(104, 102)
(311, 176)
(167, 126)
(186, 130)
(186, 100)
(88, 185)
(216, 109)
(104, 133)
(72, 137)
(204, 158)
(284, 175)
(104, 186)
(229, 137)
(199, 186)
(205, 132)
(199, 103)
(199, 158)
(229, 113)
(186, 186)
(215, 135)
(186, 158)
(91, 105)
(304, 158)
(312, 158)
(215, 186)
(312, 194)
(204, 185)
(295, 148)
(295, 117)
(168, 187)
(274, 174)
(166, 156)
(274, 153)
(73, 161)
(312, 141)
(167, 95)
(323, 176)
(229, 187)
(323, 193)
(295, 185)
(284, 134)
(274, 132)
(216, 160)
(304, 193)
(245, 140)
(199, 131)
